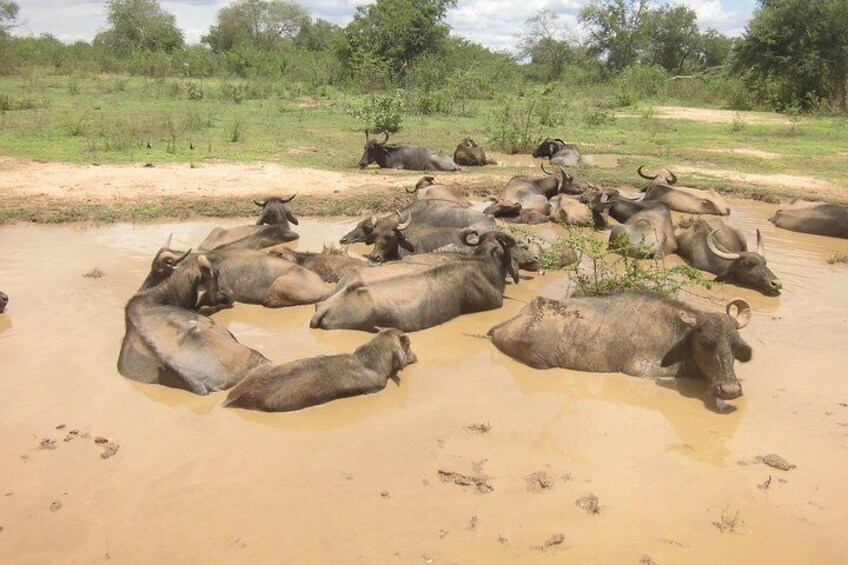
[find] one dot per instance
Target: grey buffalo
(559, 152)
(422, 291)
(469, 154)
(309, 382)
(428, 189)
(168, 342)
(818, 218)
(408, 157)
(272, 228)
(722, 250)
(526, 199)
(682, 198)
(634, 333)
(331, 264)
(647, 234)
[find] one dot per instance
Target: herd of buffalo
(437, 259)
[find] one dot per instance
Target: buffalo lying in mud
(469, 154)
(527, 199)
(408, 157)
(647, 234)
(271, 228)
(818, 218)
(168, 342)
(570, 211)
(4, 301)
(634, 333)
(428, 189)
(309, 382)
(682, 198)
(422, 291)
(559, 152)
(331, 264)
(435, 213)
(722, 250)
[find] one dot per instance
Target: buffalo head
(670, 179)
(387, 237)
(423, 182)
(373, 150)
(498, 246)
(746, 268)
(275, 212)
(210, 295)
(395, 345)
(164, 264)
(4, 301)
(548, 148)
(713, 342)
(565, 182)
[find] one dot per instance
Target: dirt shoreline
(53, 192)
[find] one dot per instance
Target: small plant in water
(94, 273)
(837, 257)
(480, 428)
(729, 521)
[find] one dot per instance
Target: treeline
(794, 54)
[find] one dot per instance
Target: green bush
(380, 112)
(641, 82)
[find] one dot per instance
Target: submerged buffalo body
(818, 218)
(526, 199)
(634, 333)
(722, 250)
(422, 291)
(272, 228)
(570, 211)
(408, 157)
(330, 265)
(309, 382)
(682, 198)
(168, 342)
(427, 189)
(647, 234)
(469, 154)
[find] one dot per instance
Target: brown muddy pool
(357, 480)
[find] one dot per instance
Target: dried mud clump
(589, 503)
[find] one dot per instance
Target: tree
(261, 24)
(714, 48)
(393, 33)
(671, 37)
(8, 16)
(140, 25)
(546, 45)
(615, 30)
(796, 51)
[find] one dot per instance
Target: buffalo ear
(688, 319)
(405, 243)
(742, 351)
(677, 353)
(290, 217)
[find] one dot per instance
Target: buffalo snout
(4, 301)
(727, 390)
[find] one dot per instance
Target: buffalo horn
(285, 200)
(465, 233)
(413, 191)
(761, 249)
(673, 177)
(558, 139)
(181, 258)
(546, 171)
(713, 245)
(403, 224)
(643, 175)
(373, 220)
(260, 203)
(168, 241)
(743, 312)
(367, 136)
(386, 138)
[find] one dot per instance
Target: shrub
(516, 124)
(380, 112)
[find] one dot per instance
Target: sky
(492, 23)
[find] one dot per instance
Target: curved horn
(181, 258)
(464, 233)
(558, 139)
(761, 249)
(260, 203)
(505, 239)
(643, 175)
(403, 225)
(546, 171)
(413, 191)
(168, 241)
(386, 138)
(285, 200)
(673, 177)
(713, 245)
(743, 312)
(367, 136)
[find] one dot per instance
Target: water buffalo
(436, 213)
(331, 264)
(682, 198)
(818, 218)
(317, 380)
(271, 228)
(411, 295)
(559, 152)
(647, 234)
(523, 196)
(469, 154)
(259, 277)
(722, 250)
(4, 301)
(570, 211)
(639, 334)
(427, 189)
(409, 157)
(168, 342)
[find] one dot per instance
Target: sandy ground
(719, 116)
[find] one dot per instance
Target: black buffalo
(410, 157)
(559, 152)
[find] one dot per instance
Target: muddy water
(355, 481)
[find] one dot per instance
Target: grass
(94, 273)
(480, 428)
(838, 257)
(117, 119)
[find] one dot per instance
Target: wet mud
(196, 482)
